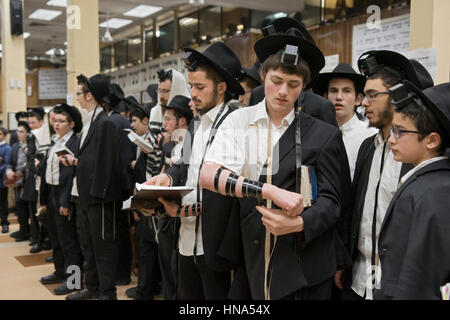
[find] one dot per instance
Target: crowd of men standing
(373, 226)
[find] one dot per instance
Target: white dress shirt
(354, 132)
(242, 141)
(187, 229)
(389, 179)
(52, 171)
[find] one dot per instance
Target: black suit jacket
(311, 103)
(414, 241)
(98, 175)
(66, 175)
(359, 189)
(299, 263)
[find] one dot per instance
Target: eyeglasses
(397, 132)
(80, 93)
(163, 91)
(167, 119)
(61, 121)
(372, 95)
(21, 131)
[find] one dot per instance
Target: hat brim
(233, 84)
(323, 80)
(91, 88)
(269, 45)
(75, 115)
(252, 74)
(441, 118)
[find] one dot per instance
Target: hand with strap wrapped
(218, 179)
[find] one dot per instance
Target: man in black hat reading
(212, 77)
(414, 242)
(55, 193)
(98, 188)
(377, 174)
(311, 103)
(291, 249)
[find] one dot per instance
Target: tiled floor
(21, 271)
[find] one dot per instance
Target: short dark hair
(213, 75)
(388, 75)
(425, 122)
(33, 114)
(64, 113)
(3, 129)
(138, 114)
(273, 62)
(84, 86)
(251, 83)
(179, 115)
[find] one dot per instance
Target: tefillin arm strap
(249, 188)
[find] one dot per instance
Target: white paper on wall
(52, 84)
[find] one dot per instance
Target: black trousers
(168, 256)
(149, 274)
(22, 212)
(63, 235)
(125, 252)
(4, 206)
(198, 282)
(320, 291)
(97, 225)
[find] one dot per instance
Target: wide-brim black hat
(224, 61)
(115, 97)
(285, 23)
(342, 70)
(152, 91)
(21, 114)
(97, 85)
(180, 104)
(134, 104)
(74, 114)
(39, 110)
(369, 62)
(253, 72)
(272, 44)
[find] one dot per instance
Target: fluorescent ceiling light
(188, 21)
(55, 51)
(57, 3)
(44, 14)
(26, 35)
(142, 11)
(279, 15)
(115, 23)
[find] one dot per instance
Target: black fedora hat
(252, 72)
(21, 114)
(74, 114)
(342, 70)
(370, 61)
(115, 97)
(436, 99)
(152, 91)
(37, 110)
(282, 25)
(222, 59)
(134, 104)
(180, 104)
(97, 85)
(274, 43)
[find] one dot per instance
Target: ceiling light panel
(44, 14)
(142, 11)
(57, 3)
(115, 23)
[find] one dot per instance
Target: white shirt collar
(420, 166)
(261, 114)
(350, 124)
(379, 139)
(212, 114)
(66, 137)
(2, 143)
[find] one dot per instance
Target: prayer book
(139, 141)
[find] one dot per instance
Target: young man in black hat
(20, 116)
(344, 87)
(414, 242)
(377, 174)
(99, 192)
(290, 251)
(55, 194)
(115, 102)
(212, 77)
(311, 103)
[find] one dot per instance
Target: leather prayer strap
(267, 252)
(298, 152)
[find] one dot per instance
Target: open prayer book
(137, 140)
(146, 196)
(63, 151)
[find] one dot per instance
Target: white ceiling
(46, 35)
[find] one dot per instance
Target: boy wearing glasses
(377, 174)
(414, 240)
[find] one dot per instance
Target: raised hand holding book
(137, 140)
